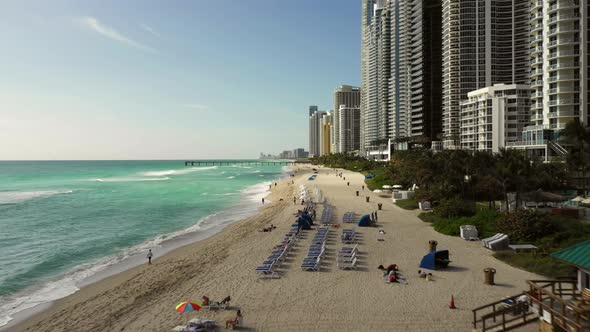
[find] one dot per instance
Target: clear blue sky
(143, 79)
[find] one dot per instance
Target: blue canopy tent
(302, 223)
(369, 176)
(365, 221)
(435, 260)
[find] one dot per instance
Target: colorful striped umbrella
(188, 306)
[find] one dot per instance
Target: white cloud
(96, 26)
(150, 30)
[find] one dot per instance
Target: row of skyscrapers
(472, 74)
(338, 130)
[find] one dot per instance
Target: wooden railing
(498, 315)
(559, 298)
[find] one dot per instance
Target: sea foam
(178, 171)
(15, 197)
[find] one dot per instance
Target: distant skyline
(169, 80)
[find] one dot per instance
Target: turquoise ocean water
(63, 221)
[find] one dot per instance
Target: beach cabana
(365, 221)
(435, 260)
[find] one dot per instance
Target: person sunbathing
(205, 300)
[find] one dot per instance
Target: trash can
(368, 198)
(432, 245)
(379, 206)
(357, 192)
(489, 275)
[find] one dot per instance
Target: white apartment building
(559, 74)
(494, 116)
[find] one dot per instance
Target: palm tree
(577, 139)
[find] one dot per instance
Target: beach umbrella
(397, 186)
(578, 199)
(188, 306)
(387, 186)
(377, 191)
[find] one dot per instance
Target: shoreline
(143, 298)
(168, 245)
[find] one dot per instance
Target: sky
(169, 79)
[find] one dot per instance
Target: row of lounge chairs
(317, 249)
(347, 258)
(326, 217)
(499, 241)
(268, 268)
(349, 217)
(348, 236)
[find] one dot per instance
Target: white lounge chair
(347, 265)
(489, 239)
(500, 243)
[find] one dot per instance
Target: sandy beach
(144, 298)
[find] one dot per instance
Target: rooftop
(578, 255)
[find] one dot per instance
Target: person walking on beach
(149, 256)
(294, 200)
(262, 200)
(363, 187)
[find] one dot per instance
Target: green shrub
(484, 220)
(537, 263)
(408, 204)
(453, 207)
(526, 225)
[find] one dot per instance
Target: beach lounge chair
(267, 273)
(313, 266)
(346, 257)
(500, 243)
(347, 265)
(218, 305)
(486, 241)
(349, 249)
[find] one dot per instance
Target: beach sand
(144, 298)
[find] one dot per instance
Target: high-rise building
(350, 128)
(559, 74)
(401, 69)
(399, 98)
(560, 62)
(325, 133)
(315, 125)
(349, 96)
(375, 73)
(484, 43)
(424, 118)
(312, 109)
(493, 117)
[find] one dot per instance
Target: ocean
(62, 222)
